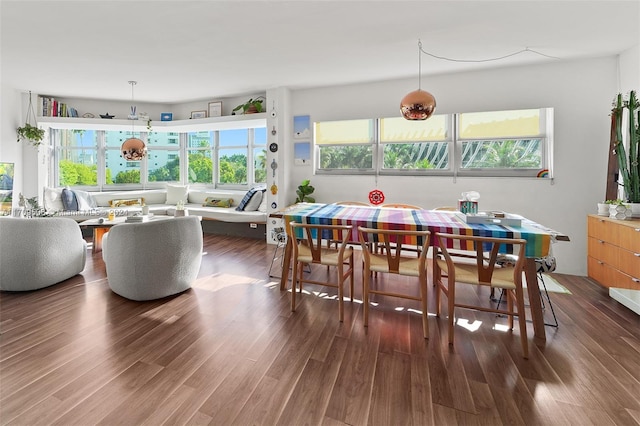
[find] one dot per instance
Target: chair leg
(294, 284)
(425, 314)
(522, 322)
(351, 278)
(555, 324)
(451, 296)
(341, 280)
(365, 298)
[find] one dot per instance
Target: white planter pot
(635, 209)
(620, 211)
(603, 209)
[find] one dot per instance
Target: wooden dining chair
(415, 249)
(483, 272)
(308, 243)
(446, 209)
(391, 261)
(401, 206)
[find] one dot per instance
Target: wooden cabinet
(613, 250)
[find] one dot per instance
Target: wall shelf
(191, 125)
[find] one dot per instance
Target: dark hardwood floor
(230, 352)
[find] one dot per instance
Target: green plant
(31, 134)
(629, 166)
(251, 106)
(304, 191)
(617, 202)
(28, 132)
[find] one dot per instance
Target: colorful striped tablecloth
(537, 236)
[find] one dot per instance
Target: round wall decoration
(274, 205)
(376, 197)
(273, 147)
(274, 189)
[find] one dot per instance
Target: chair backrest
(393, 241)
(402, 206)
(312, 236)
(486, 249)
(446, 208)
(352, 203)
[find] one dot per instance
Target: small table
(102, 225)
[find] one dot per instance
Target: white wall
(580, 93)
(10, 151)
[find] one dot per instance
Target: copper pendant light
(419, 104)
(133, 149)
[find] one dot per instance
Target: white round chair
(39, 252)
(155, 259)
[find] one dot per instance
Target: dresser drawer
(603, 229)
(629, 262)
(603, 251)
(602, 272)
(629, 238)
(626, 281)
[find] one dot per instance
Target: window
(77, 153)
(498, 143)
(345, 145)
(415, 145)
(90, 158)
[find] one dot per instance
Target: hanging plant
(30, 133)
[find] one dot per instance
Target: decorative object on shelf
(419, 104)
(304, 192)
(274, 166)
(166, 116)
(133, 149)
(252, 106)
(618, 209)
(376, 197)
(628, 165)
(107, 116)
(198, 114)
(180, 210)
(274, 189)
(215, 109)
(603, 209)
(274, 205)
(30, 133)
(273, 147)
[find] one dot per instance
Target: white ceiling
(182, 51)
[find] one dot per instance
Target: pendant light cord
(526, 49)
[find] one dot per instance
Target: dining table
(538, 237)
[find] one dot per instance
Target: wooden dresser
(613, 250)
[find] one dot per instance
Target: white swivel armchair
(154, 259)
(39, 252)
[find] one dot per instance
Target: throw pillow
(127, 203)
(85, 200)
(248, 196)
(177, 193)
(216, 202)
(69, 200)
(254, 202)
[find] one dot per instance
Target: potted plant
(252, 106)
(628, 165)
(304, 192)
(30, 133)
(618, 209)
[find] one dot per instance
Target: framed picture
(166, 116)
(215, 109)
(198, 114)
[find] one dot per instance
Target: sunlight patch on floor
(473, 326)
(217, 282)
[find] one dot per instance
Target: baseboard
(629, 298)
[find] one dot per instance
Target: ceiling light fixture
(133, 149)
(419, 104)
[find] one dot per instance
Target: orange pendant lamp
(419, 104)
(133, 149)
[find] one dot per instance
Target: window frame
(546, 116)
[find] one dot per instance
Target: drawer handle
(635, 280)
(601, 241)
(636, 229)
(600, 262)
(636, 254)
